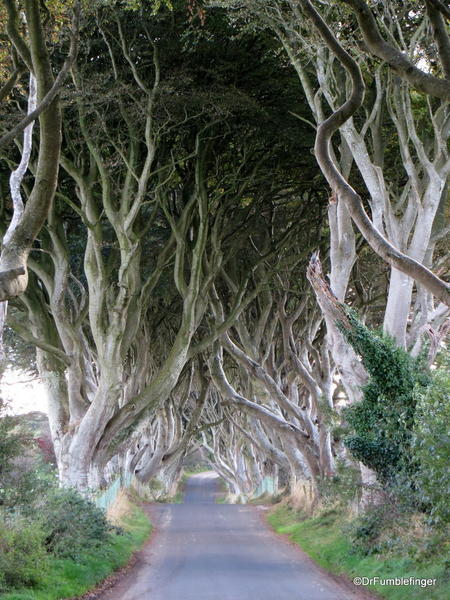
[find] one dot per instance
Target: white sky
(22, 393)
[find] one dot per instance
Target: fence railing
(106, 497)
(267, 486)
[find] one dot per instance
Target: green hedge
(55, 578)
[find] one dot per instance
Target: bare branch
(342, 188)
(436, 11)
(54, 90)
(25, 334)
(423, 82)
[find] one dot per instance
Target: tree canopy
(208, 162)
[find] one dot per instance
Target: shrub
(72, 523)
(41, 521)
(365, 530)
(23, 559)
(12, 443)
(21, 479)
(344, 486)
(431, 444)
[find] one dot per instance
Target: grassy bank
(325, 539)
(66, 578)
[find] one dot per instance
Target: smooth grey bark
(377, 45)
(341, 187)
(34, 53)
(15, 181)
(51, 94)
(405, 218)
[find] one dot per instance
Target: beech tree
(31, 54)
(225, 180)
(166, 173)
(405, 204)
(405, 225)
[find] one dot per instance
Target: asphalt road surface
(201, 550)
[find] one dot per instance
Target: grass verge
(67, 579)
(324, 539)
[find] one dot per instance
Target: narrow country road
(206, 551)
